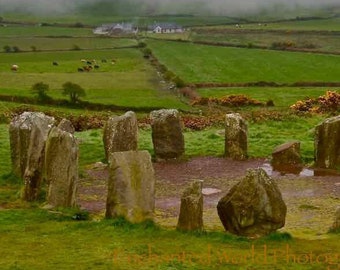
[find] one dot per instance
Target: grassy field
(36, 238)
(113, 244)
(34, 31)
(129, 82)
(201, 63)
(62, 43)
(328, 24)
(313, 41)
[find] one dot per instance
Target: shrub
(74, 91)
(146, 52)
(39, 89)
(179, 82)
(228, 101)
(75, 47)
(330, 102)
(7, 48)
(16, 49)
(282, 45)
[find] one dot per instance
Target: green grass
(314, 41)
(13, 30)
(332, 24)
(28, 235)
(131, 81)
(282, 96)
(199, 63)
(65, 43)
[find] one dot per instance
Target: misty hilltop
(154, 7)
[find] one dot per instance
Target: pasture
(129, 81)
(37, 238)
(202, 63)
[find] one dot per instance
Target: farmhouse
(165, 28)
(116, 29)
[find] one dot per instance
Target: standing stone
(191, 211)
(254, 207)
(131, 186)
(167, 136)
(236, 144)
(336, 224)
(61, 168)
(28, 133)
(287, 157)
(121, 134)
(327, 144)
(66, 125)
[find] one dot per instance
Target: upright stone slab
(191, 211)
(254, 207)
(236, 141)
(121, 134)
(287, 158)
(66, 125)
(131, 186)
(336, 223)
(327, 144)
(61, 168)
(167, 136)
(28, 134)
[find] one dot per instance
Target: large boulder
(287, 158)
(191, 211)
(131, 186)
(167, 136)
(254, 207)
(236, 137)
(28, 133)
(327, 144)
(61, 168)
(121, 134)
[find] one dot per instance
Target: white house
(165, 28)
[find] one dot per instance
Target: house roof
(164, 25)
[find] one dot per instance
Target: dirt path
(311, 200)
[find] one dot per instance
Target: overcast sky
(217, 6)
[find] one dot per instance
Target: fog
(218, 7)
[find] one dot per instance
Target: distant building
(165, 28)
(116, 29)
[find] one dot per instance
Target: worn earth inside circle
(311, 200)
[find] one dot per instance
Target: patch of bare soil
(311, 200)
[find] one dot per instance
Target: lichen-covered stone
(167, 135)
(61, 168)
(336, 223)
(28, 133)
(327, 144)
(191, 211)
(287, 157)
(236, 140)
(66, 125)
(131, 186)
(121, 134)
(254, 207)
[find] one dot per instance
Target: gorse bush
(330, 102)
(229, 101)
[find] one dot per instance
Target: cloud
(211, 6)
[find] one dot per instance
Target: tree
(7, 48)
(16, 49)
(40, 89)
(74, 91)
